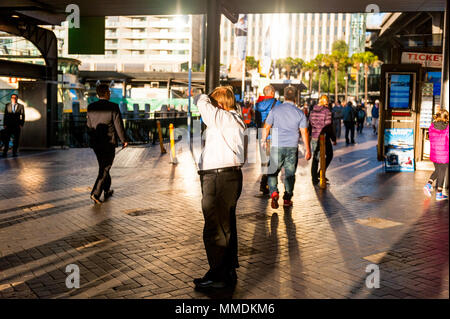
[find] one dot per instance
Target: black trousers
(360, 126)
(315, 149)
(8, 132)
(105, 158)
(349, 127)
(221, 192)
(439, 174)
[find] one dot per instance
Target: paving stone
(146, 241)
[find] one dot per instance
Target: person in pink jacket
(439, 139)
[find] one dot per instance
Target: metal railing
(140, 127)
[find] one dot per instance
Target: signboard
(435, 78)
(89, 38)
(428, 60)
(399, 149)
(426, 112)
(426, 108)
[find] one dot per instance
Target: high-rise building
(296, 35)
(145, 43)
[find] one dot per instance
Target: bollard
(323, 183)
(172, 144)
(161, 144)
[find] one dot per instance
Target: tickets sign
(428, 60)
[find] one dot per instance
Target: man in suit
(104, 123)
(13, 121)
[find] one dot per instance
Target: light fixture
(15, 16)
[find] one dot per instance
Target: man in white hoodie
(221, 181)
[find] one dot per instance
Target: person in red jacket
(439, 140)
(247, 113)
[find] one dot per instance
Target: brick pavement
(146, 241)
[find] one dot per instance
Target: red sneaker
(287, 203)
(274, 197)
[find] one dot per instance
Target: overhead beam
(229, 11)
(42, 17)
(95, 8)
(22, 70)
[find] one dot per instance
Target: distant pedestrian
(305, 109)
(320, 120)
(13, 121)
(337, 112)
(439, 142)
(104, 122)
(263, 106)
(247, 113)
(360, 118)
(348, 115)
(221, 182)
(369, 114)
(290, 122)
(375, 116)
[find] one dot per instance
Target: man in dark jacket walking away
(321, 122)
(349, 122)
(262, 108)
(361, 116)
(104, 122)
(337, 118)
(13, 121)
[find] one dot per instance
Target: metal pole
(323, 183)
(189, 115)
(346, 88)
(329, 77)
(212, 45)
(243, 79)
(161, 141)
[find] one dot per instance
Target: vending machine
(398, 116)
(410, 95)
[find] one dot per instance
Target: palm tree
(339, 60)
(279, 65)
(298, 66)
(321, 62)
(357, 59)
(347, 64)
(250, 63)
(288, 64)
(369, 60)
(310, 68)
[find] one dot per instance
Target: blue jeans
(286, 157)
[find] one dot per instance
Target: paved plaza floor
(146, 241)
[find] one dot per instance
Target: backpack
(338, 112)
(361, 114)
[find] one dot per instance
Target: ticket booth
(410, 95)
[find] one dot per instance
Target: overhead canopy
(51, 10)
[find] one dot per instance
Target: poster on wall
(399, 150)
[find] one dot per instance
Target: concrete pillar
(445, 65)
(212, 73)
